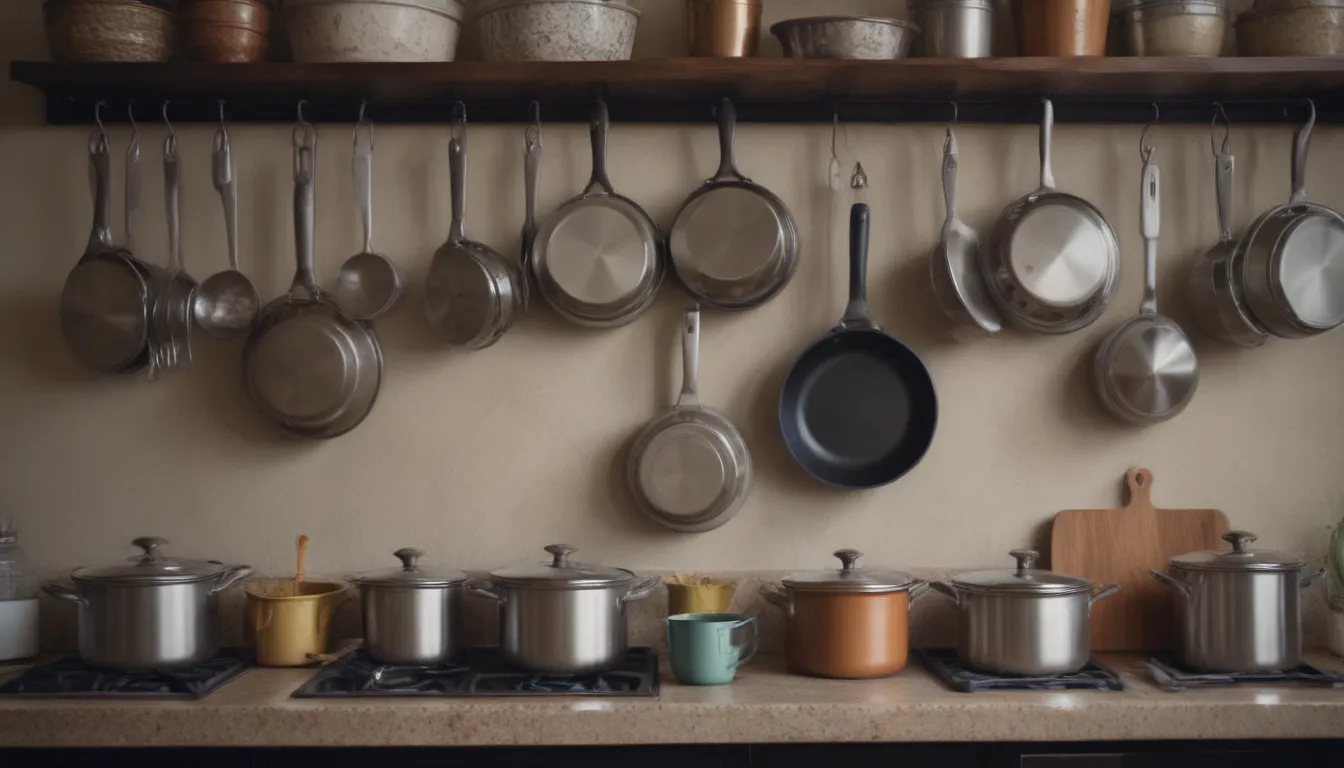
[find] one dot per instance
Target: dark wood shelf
(683, 90)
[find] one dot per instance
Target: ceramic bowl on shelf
(845, 37)
(110, 30)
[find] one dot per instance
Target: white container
(18, 629)
(373, 30)
(556, 30)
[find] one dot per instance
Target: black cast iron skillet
(858, 408)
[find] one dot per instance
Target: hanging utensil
(226, 303)
(1214, 286)
(172, 310)
(470, 293)
(131, 208)
(690, 470)
(858, 408)
(309, 368)
(369, 286)
(954, 264)
(733, 243)
(1053, 262)
(531, 174)
(598, 259)
(1146, 370)
(106, 300)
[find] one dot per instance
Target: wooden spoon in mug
(298, 570)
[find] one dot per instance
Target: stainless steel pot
(957, 29)
(412, 614)
(562, 616)
(1238, 610)
(1024, 621)
(154, 612)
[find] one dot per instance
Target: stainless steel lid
(410, 574)
(1022, 580)
(1239, 558)
(562, 573)
(151, 567)
(849, 577)
(917, 6)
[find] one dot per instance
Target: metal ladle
(227, 303)
(369, 285)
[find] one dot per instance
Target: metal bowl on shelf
(845, 37)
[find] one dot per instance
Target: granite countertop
(765, 705)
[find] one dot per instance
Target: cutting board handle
(1139, 484)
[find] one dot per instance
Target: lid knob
(1239, 540)
(408, 557)
(150, 545)
(848, 557)
(1026, 559)
(561, 553)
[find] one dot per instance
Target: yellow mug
(288, 624)
(711, 596)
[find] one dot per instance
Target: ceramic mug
(702, 647)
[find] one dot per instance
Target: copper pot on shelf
(225, 30)
(848, 622)
(723, 28)
(1061, 27)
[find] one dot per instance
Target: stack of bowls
(225, 30)
(1170, 27)
(1292, 28)
(110, 30)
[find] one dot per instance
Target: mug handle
(751, 645)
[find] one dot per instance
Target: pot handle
(918, 588)
(484, 588)
(1180, 586)
(946, 590)
(642, 589)
(64, 592)
(230, 577)
(774, 593)
(1102, 590)
(1310, 577)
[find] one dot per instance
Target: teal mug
(703, 648)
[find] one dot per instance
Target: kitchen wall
(481, 458)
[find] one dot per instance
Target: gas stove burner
(943, 663)
(72, 678)
(1171, 676)
(483, 673)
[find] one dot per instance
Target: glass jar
(18, 597)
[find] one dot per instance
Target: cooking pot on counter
(848, 622)
(563, 617)
(153, 612)
(1024, 621)
(412, 614)
(1238, 610)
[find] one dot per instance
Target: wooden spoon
(298, 570)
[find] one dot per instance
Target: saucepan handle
(64, 592)
(230, 577)
(641, 589)
(946, 590)
(918, 588)
(1180, 586)
(484, 588)
(1312, 576)
(1100, 591)
(775, 594)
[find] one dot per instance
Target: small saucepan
(412, 613)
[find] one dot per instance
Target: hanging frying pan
(858, 408)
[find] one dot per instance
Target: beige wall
(481, 458)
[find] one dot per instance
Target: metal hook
(365, 122)
(533, 134)
(1146, 149)
(835, 130)
(1311, 120)
(302, 120)
(166, 121)
(955, 112)
(98, 118)
(220, 105)
(459, 120)
(1226, 148)
(170, 142)
(130, 115)
(305, 135)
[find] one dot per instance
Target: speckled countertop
(764, 705)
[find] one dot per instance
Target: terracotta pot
(1061, 27)
(109, 30)
(225, 30)
(847, 623)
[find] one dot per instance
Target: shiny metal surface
(1146, 370)
(1053, 261)
(369, 285)
(598, 258)
(689, 469)
(851, 578)
(954, 265)
(845, 37)
(733, 243)
(1149, 27)
(956, 29)
(173, 304)
(412, 620)
(226, 303)
(1024, 579)
(723, 28)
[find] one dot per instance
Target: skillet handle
(1301, 143)
(727, 130)
(856, 312)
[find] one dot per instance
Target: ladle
(369, 285)
(226, 303)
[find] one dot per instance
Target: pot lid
(151, 567)
(1239, 558)
(410, 574)
(561, 572)
(1022, 580)
(849, 577)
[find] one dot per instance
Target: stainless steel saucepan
(413, 613)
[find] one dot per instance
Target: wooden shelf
(682, 90)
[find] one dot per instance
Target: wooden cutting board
(1120, 545)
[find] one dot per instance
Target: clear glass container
(18, 578)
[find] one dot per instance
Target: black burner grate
(944, 663)
(1171, 676)
(484, 673)
(72, 678)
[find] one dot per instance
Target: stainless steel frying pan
(734, 243)
(1053, 262)
(598, 259)
(310, 369)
